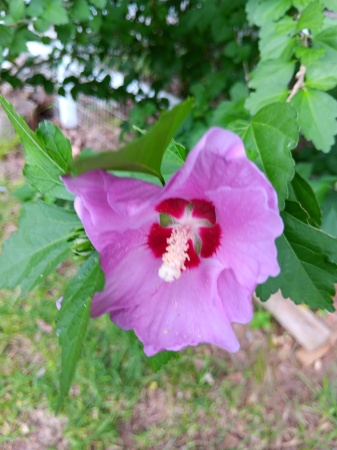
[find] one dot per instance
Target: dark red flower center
(187, 231)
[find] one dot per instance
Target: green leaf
(311, 17)
(99, 4)
(265, 11)
(268, 139)
(56, 12)
(35, 8)
(280, 72)
(37, 247)
(264, 96)
(5, 36)
(173, 159)
(308, 55)
(331, 4)
(20, 38)
(74, 318)
(41, 25)
(157, 361)
(144, 154)
(17, 9)
(301, 4)
(327, 39)
(307, 258)
(276, 41)
(301, 191)
(80, 10)
(297, 211)
(47, 151)
(317, 113)
(322, 75)
(330, 214)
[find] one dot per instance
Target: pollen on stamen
(176, 254)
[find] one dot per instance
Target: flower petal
(186, 312)
(236, 299)
(106, 203)
(131, 272)
(217, 160)
(248, 231)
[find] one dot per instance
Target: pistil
(176, 254)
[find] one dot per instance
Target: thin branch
(299, 83)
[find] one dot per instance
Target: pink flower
(181, 262)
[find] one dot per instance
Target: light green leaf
(308, 55)
(327, 39)
(301, 4)
(173, 159)
(331, 4)
(266, 95)
(276, 42)
(17, 9)
(35, 8)
(311, 17)
(80, 10)
(268, 139)
(37, 247)
(307, 258)
(47, 151)
(317, 113)
(265, 11)
(144, 154)
(99, 4)
(74, 318)
(56, 12)
(272, 71)
(301, 191)
(322, 75)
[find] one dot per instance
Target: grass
(205, 399)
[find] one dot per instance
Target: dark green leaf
(74, 318)
(144, 154)
(157, 361)
(308, 262)
(302, 192)
(47, 151)
(37, 247)
(296, 210)
(268, 139)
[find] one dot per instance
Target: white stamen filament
(176, 254)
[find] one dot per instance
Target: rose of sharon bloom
(181, 262)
